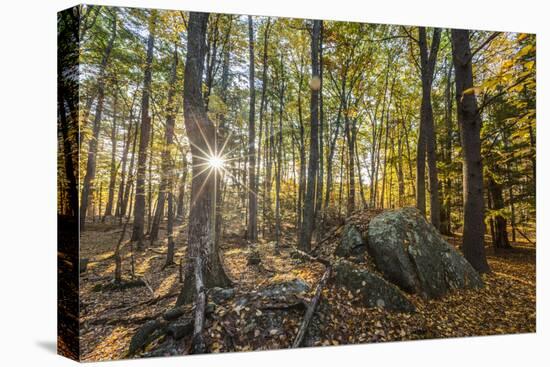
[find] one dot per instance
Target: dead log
(525, 236)
(309, 257)
(311, 308)
(310, 311)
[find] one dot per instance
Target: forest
(251, 183)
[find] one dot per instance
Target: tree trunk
(497, 200)
(469, 121)
(427, 138)
(127, 204)
(320, 178)
(166, 174)
(113, 172)
(263, 104)
(252, 198)
(145, 132)
(308, 220)
(445, 225)
(279, 160)
(350, 137)
(68, 122)
(302, 180)
(200, 130)
(332, 150)
(121, 203)
(181, 190)
(89, 178)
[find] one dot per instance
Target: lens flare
(215, 162)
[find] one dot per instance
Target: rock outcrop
(374, 291)
(412, 254)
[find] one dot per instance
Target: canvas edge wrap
(68, 53)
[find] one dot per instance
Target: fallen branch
(311, 308)
(525, 236)
(310, 311)
(148, 286)
(312, 258)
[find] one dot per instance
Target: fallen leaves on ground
(505, 305)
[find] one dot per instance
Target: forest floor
(109, 318)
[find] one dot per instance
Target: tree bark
(349, 129)
(445, 225)
(121, 208)
(200, 130)
(279, 159)
(113, 171)
(252, 196)
(469, 121)
(166, 174)
(89, 178)
(308, 220)
(497, 200)
(145, 132)
(180, 211)
(427, 137)
(263, 105)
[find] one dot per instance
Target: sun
(216, 162)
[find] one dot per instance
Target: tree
(500, 239)
(145, 133)
(89, 178)
(469, 121)
(67, 109)
(202, 251)
(121, 203)
(308, 219)
(252, 190)
(426, 137)
(165, 189)
(279, 149)
(113, 170)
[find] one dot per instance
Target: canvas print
(233, 183)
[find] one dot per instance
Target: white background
(28, 174)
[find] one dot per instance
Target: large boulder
(373, 290)
(411, 253)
